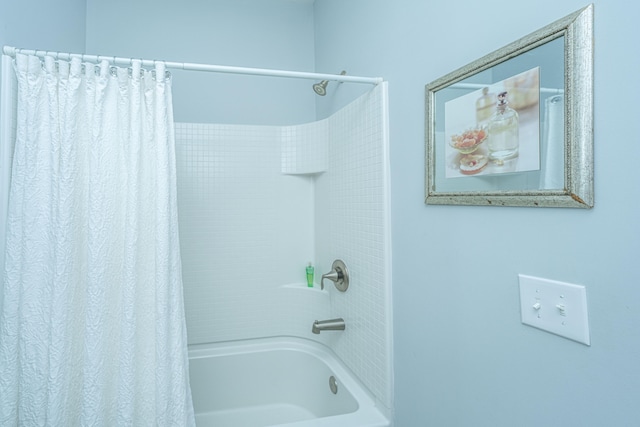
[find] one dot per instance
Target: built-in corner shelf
(303, 287)
(313, 173)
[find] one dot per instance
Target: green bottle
(309, 275)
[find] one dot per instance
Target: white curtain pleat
(92, 331)
(552, 153)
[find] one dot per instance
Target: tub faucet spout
(328, 325)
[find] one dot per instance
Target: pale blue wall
(462, 357)
(37, 24)
(45, 25)
(247, 33)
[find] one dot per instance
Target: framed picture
(515, 128)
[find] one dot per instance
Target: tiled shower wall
(352, 208)
(246, 230)
(256, 203)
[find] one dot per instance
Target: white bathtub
(276, 382)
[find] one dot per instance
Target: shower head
(321, 88)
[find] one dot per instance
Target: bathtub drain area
(333, 384)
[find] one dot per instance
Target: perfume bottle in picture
(502, 140)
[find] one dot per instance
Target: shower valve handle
(333, 275)
(339, 275)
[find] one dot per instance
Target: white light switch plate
(556, 307)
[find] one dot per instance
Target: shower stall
(256, 205)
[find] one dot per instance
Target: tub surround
(257, 203)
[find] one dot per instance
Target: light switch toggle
(562, 309)
(536, 306)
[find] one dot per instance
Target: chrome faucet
(328, 325)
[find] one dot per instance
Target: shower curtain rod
(12, 51)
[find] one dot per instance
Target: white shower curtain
(552, 153)
(92, 329)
